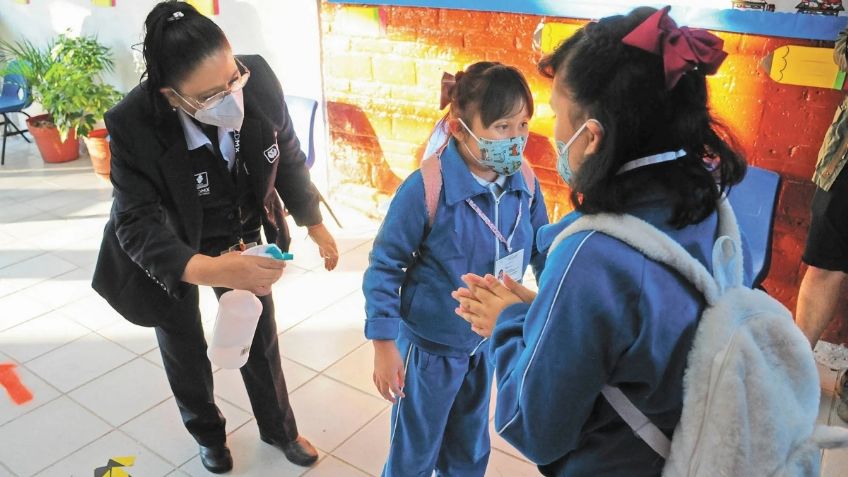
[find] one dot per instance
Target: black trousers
(183, 348)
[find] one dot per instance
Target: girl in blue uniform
(482, 219)
(635, 136)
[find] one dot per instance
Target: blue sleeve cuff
(384, 328)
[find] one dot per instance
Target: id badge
(511, 265)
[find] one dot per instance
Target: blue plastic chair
(302, 112)
(754, 201)
(14, 97)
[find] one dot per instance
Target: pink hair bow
(682, 49)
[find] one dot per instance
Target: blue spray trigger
(274, 251)
(270, 251)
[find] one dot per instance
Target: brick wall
(382, 68)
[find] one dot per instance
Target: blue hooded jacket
(414, 267)
(605, 314)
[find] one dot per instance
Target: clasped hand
(485, 298)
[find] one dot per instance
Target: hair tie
(682, 49)
(175, 16)
(448, 83)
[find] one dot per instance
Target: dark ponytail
(177, 38)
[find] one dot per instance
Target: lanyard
(495, 231)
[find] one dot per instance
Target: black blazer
(155, 224)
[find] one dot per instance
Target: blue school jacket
(414, 268)
(604, 314)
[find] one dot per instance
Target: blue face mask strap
(651, 160)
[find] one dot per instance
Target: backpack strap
(641, 425)
(648, 240)
(431, 173)
(656, 245)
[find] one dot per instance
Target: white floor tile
(92, 312)
(155, 357)
(79, 362)
(500, 444)
(501, 465)
(296, 375)
(835, 463)
(63, 427)
(125, 392)
(116, 444)
(161, 430)
(329, 412)
(81, 252)
(13, 253)
(42, 393)
(251, 458)
(19, 212)
(40, 335)
(94, 206)
(69, 233)
(368, 448)
(357, 370)
(62, 290)
(328, 336)
(30, 272)
(37, 225)
(229, 384)
(311, 292)
(307, 256)
(230, 387)
(827, 378)
(826, 405)
(332, 467)
(18, 308)
(138, 339)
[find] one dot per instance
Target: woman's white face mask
(228, 114)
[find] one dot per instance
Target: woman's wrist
(198, 270)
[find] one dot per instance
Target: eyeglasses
(216, 99)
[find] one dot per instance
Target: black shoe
(299, 451)
(216, 459)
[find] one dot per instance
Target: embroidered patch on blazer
(272, 153)
(201, 181)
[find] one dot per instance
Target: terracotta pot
(47, 139)
(98, 149)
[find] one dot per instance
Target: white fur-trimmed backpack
(751, 388)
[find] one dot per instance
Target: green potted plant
(65, 78)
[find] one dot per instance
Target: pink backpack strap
(529, 178)
(431, 172)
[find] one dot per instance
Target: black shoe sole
(216, 470)
(303, 463)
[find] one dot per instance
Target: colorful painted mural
(382, 67)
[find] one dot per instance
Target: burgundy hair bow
(682, 49)
(448, 83)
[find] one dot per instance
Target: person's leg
(264, 380)
(466, 446)
(826, 253)
(820, 293)
(183, 349)
(419, 419)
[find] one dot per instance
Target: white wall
(285, 32)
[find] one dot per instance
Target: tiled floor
(100, 391)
